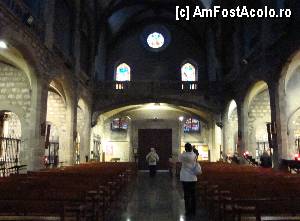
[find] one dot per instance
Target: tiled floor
(156, 199)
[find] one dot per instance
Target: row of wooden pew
(81, 192)
(234, 192)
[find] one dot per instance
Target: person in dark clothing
(265, 160)
(195, 151)
(235, 158)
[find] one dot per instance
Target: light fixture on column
(29, 20)
(181, 118)
(3, 44)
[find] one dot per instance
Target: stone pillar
(34, 151)
(282, 120)
(211, 143)
(211, 56)
(72, 98)
(278, 103)
(273, 92)
(72, 125)
(49, 16)
(225, 130)
(237, 48)
(77, 39)
(86, 135)
(242, 111)
(100, 59)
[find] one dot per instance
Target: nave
(157, 199)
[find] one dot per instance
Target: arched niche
(258, 113)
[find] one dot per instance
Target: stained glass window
(191, 125)
(188, 72)
(123, 72)
(155, 40)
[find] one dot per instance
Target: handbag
(197, 169)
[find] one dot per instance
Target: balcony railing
(24, 13)
(149, 87)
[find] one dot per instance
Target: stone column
(211, 143)
(72, 125)
(35, 140)
(100, 59)
(225, 130)
(242, 111)
(49, 16)
(279, 116)
(273, 92)
(72, 99)
(86, 135)
(211, 56)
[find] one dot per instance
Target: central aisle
(156, 199)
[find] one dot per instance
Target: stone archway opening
(115, 135)
(293, 112)
(17, 89)
(259, 114)
(56, 132)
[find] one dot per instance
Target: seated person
(235, 158)
(265, 160)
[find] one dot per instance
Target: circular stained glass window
(155, 40)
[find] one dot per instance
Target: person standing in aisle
(152, 158)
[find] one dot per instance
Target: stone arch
(125, 66)
(59, 116)
(19, 91)
(22, 54)
(257, 113)
(100, 108)
(194, 64)
(289, 88)
(287, 106)
(104, 119)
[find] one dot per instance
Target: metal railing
(19, 9)
(9, 156)
(51, 159)
(149, 87)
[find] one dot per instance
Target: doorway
(161, 140)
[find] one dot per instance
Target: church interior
(87, 87)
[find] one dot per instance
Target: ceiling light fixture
(3, 44)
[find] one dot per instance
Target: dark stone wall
(148, 65)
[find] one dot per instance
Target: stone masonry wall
(259, 114)
(15, 90)
(56, 116)
(80, 119)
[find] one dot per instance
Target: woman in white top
(188, 161)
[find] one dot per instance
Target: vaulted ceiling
(121, 15)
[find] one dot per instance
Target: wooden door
(161, 140)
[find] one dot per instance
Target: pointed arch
(123, 72)
(189, 71)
